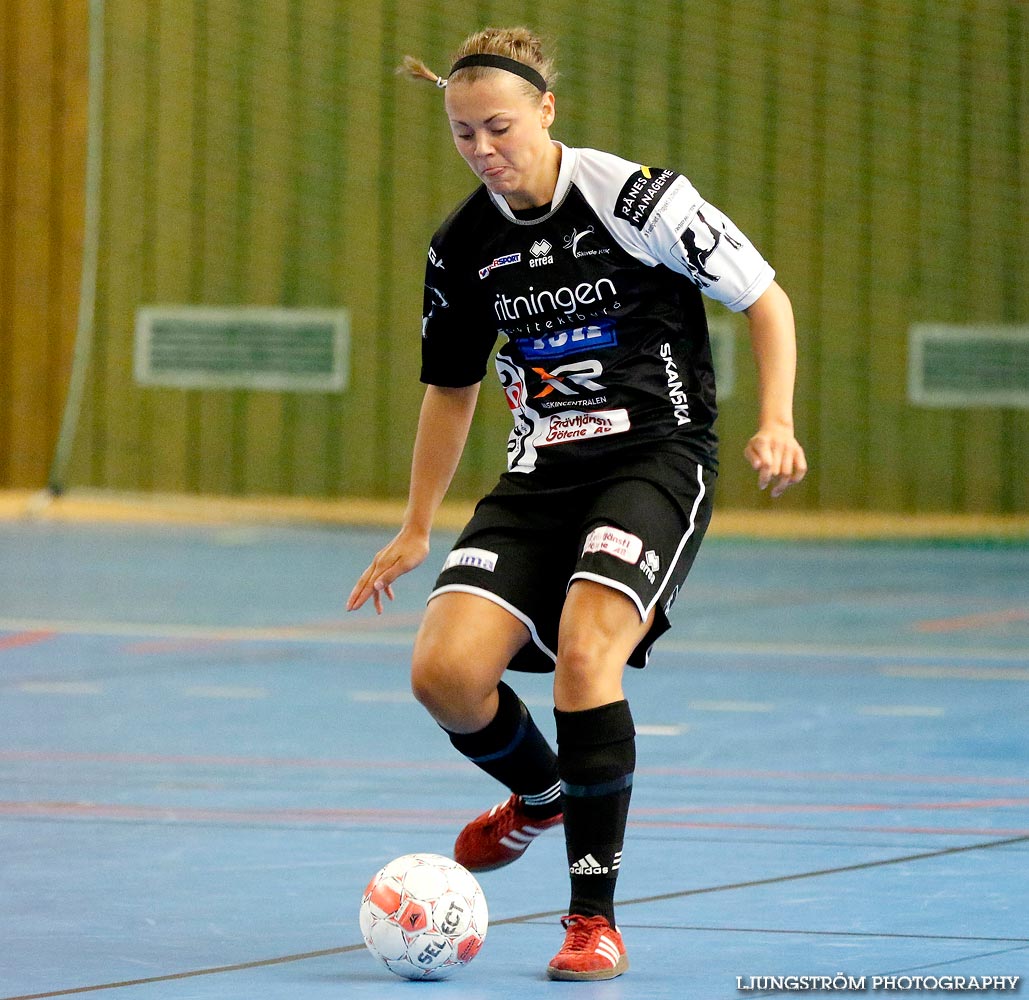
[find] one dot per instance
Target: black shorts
(524, 546)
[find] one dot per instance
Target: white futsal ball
(423, 916)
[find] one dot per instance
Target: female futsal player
(591, 269)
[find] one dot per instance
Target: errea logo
(539, 253)
(651, 565)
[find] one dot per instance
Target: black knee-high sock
(512, 750)
(596, 760)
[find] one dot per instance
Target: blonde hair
(520, 44)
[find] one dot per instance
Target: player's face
(502, 135)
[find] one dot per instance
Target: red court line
(396, 620)
(963, 804)
(415, 817)
(968, 622)
(172, 814)
(330, 627)
(71, 757)
(457, 764)
(920, 831)
(157, 646)
(842, 776)
(18, 639)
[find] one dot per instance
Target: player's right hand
(404, 553)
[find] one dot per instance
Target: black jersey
(607, 357)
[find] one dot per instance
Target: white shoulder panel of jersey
(659, 217)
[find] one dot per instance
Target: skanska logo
(676, 392)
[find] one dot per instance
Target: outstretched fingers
(376, 580)
(401, 555)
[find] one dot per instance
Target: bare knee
(462, 650)
(444, 680)
(599, 629)
(586, 675)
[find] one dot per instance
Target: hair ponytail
(417, 70)
(519, 44)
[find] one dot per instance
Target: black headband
(502, 62)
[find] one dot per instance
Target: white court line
(226, 691)
(405, 637)
(389, 697)
(59, 687)
(731, 706)
(904, 711)
(231, 633)
(404, 696)
(537, 701)
(957, 673)
(855, 651)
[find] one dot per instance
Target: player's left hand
(777, 458)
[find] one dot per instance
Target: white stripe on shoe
(606, 948)
(519, 839)
(544, 798)
(515, 845)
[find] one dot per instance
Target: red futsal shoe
(498, 837)
(593, 949)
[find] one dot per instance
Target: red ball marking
(468, 947)
(385, 897)
(414, 917)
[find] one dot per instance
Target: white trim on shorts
(627, 590)
(464, 588)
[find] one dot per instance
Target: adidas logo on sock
(588, 865)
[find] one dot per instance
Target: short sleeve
(665, 217)
(455, 349)
(718, 259)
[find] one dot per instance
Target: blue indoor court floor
(203, 761)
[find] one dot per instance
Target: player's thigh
(641, 540)
(517, 552)
(600, 627)
(463, 647)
